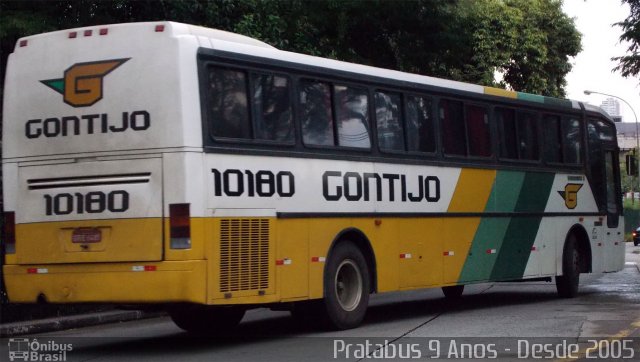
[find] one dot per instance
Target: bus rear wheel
(346, 287)
(567, 283)
(203, 319)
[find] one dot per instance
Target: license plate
(86, 235)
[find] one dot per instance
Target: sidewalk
(74, 321)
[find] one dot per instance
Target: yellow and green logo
(570, 195)
(82, 83)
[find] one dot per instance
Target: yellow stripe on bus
(500, 92)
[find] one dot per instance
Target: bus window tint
(228, 103)
(389, 124)
(315, 113)
(508, 135)
(552, 139)
(453, 131)
(273, 119)
(527, 136)
(595, 161)
(478, 131)
(420, 130)
(572, 141)
(352, 116)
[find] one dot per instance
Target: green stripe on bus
(558, 102)
(521, 233)
(491, 231)
(530, 97)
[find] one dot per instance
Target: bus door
(613, 239)
(605, 183)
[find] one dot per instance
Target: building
(612, 107)
(626, 135)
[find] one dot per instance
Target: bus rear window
(389, 122)
(273, 120)
(320, 102)
(454, 138)
(315, 113)
(478, 131)
(420, 127)
(518, 134)
(552, 139)
(562, 140)
(572, 141)
(228, 103)
(264, 114)
(352, 116)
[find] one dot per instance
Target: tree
(629, 65)
(528, 41)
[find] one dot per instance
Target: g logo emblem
(570, 195)
(82, 83)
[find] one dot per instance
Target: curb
(69, 322)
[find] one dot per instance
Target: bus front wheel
(567, 283)
(346, 287)
(203, 319)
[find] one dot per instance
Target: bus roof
(172, 28)
(236, 43)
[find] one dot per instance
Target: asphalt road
(504, 320)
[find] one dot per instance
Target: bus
(169, 165)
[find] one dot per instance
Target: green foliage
(527, 41)
(629, 64)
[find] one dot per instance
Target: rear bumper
(159, 282)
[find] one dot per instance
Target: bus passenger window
(527, 136)
(552, 139)
(315, 113)
(273, 119)
(572, 140)
(389, 124)
(508, 133)
(228, 103)
(420, 129)
(352, 117)
(478, 131)
(453, 130)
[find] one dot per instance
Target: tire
(567, 283)
(453, 292)
(346, 287)
(202, 319)
(636, 243)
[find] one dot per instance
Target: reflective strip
(405, 256)
(318, 259)
(448, 253)
(37, 271)
(491, 251)
(285, 261)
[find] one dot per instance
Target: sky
(592, 68)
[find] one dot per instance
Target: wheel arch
(584, 246)
(361, 241)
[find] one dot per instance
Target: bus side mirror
(632, 166)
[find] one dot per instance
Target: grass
(631, 204)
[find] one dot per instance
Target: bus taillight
(9, 237)
(180, 226)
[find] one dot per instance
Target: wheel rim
(348, 285)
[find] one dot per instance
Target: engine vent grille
(244, 254)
